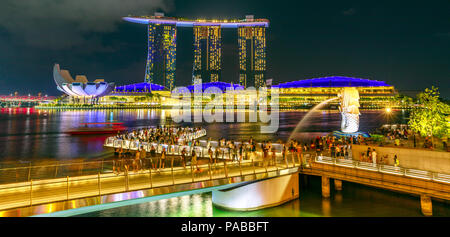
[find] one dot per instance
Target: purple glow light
(181, 23)
(333, 81)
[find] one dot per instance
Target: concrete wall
(258, 195)
(436, 161)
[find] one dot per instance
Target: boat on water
(97, 128)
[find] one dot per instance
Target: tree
(149, 96)
(429, 118)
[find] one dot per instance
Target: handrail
(133, 180)
(382, 168)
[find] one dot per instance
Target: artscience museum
(80, 87)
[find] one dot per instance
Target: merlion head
(349, 100)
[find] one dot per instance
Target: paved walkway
(60, 189)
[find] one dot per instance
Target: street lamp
(388, 114)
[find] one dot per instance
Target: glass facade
(207, 53)
(161, 59)
(252, 56)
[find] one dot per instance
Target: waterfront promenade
(95, 181)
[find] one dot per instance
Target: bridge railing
(43, 184)
(382, 168)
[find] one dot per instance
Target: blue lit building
(138, 88)
(372, 93)
(221, 85)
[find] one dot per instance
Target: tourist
(235, 152)
(299, 153)
(274, 160)
(338, 152)
(162, 158)
(374, 157)
(136, 160)
(284, 152)
(210, 154)
(194, 161)
(216, 155)
(153, 159)
(183, 156)
(396, 161)
(116, 161)
(143, 157)
(397, 141)
(241, 152)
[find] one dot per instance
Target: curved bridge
(47, 189)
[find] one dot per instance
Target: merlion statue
(349, 109)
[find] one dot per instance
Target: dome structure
(139, 87)
(333, 81)
(80, 87)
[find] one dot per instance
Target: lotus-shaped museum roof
(80, 86)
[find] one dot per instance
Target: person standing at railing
(116, 168)
(241, 151)
(338, 152)
(162, 158)
(194, 161)
(396, 161)
(299, 152)
(183, 157)
(235, 152)
(292, 148)
(274, 158)
(143, 156)
(210, 154)
(332, 150)
(136, 160)
(374, 157)
(216, 155)
(208, 144)
(264, 151)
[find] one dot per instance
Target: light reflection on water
(353, 201)
(33, 135)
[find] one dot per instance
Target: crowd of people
(225, 149)
(373, 157)
(402, 135)
(162, 134)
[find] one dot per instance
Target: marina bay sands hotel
(162, 35)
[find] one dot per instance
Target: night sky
(406, 44)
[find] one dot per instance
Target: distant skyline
(402, 43)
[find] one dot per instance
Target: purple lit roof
(140, 87)
(191, 23)
(333, 81)
(221, 85)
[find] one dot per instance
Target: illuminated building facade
(207, 53)
(373, 94)
(252, 56)
(161, 57)
(80, 87)
(207, 48)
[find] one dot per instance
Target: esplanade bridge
(162, 35)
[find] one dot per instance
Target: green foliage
(377, 137)
(403, 100)
(429, 119)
